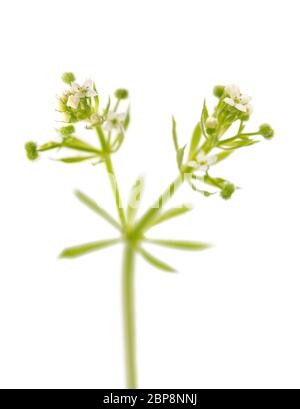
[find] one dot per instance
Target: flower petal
(241, 107)
(75, 87)
(73, 101)
(233, 90)
(88, 84)
(229, 101)
(244, 99)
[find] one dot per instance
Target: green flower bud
(121, 93)
(227, 190)
(31, 150)
(68, 77)
(218, 91)
(211, 122)
(266, 131)
(67, 130)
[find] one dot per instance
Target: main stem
(128, 261)
(129, 315)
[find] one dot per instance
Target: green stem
(157, 205)
(128, 316)
(112, 176)
(115, 188)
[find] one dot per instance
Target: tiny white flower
(203, 162)
(236, 99)
(115, 120)
(82, 91)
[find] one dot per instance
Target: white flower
(115, 121)
(237, 100)
(203, 162)
(77, 92)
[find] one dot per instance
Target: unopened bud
(31, 150)
(218, 91)
(266, 131)
(68, 77)
(121, 93)
(227, 191)
(211, 122)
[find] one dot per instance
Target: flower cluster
(81, 103)
(237, 100)
(76, 103)
(208, 143)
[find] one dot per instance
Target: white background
(230, 318)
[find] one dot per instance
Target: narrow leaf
(195, 139)
(90, 203)
(178, 244)
(82, 249)
(204, 116)
(78, 144)
(215, 182)
(96, 98)
(135, 198)
(127, 119)
(75, 159)
(155, 261)
(106, 109)
(223, 155)
(174, 134)
(116, 144)
(238, 144)
(179, 157)
(170, 213)
(205, 193)
(48, 146)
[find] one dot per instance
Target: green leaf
(178, 244)
(75, 159)
(155, 261)
(174, 134)
(96, 98)
(205, 193)
(77, 144)
(135, 198)
(48, 146)
(237, 144)
(204, 116)
(223, 155)
(106, 109)
(179, 156)
(116, 144)
(82, 249)
(195, 140)
(169, 214)
(127, 119)
(90, 203)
